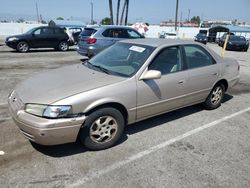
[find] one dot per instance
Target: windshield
(121, 59)
(31, 30)
(237, 38)
(201, 35)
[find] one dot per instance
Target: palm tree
(123, 10)
(118, 11)
(111, 12)
(126, 17)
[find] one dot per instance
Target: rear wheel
(215, 97)
(22, 47)
(102, 129)
(63, 46)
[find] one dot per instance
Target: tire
(63, 46)
(215, 97)
(102, 129)
(22, 47)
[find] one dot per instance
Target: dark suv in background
(93, 40)
(40, 37)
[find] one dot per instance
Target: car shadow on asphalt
(76, 148)
(40, 50)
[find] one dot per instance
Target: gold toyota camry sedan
(130, 81)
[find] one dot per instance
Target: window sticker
(137, 49)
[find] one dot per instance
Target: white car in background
(168, 35)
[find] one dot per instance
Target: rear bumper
(233, 82)
(88, 50)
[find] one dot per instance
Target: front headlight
(56, 111)
(12, 39)
(47, 111)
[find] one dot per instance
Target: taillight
(91, 40)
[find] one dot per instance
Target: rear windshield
(88, 32)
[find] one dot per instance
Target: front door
(164, 94)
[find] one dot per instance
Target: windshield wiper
(99, 67)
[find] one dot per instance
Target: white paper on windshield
(137, 49)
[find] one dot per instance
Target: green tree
(106, 21)
(196, 19)
(59, 18)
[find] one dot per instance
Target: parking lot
(191, 147)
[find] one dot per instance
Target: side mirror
(150, 75)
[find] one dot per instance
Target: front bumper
(11, 44)
(236, 47)
(41, 130)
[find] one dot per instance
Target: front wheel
(63, 46)
(215, 97)
(22, 47)
(102, 129)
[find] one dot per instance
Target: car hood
(51, 86)
(17, 36)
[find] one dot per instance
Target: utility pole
(176, 14)
(92, 12)
(188, 14)
(37, 14)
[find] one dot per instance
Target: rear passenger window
(115, 33)
(197, 57)
(47, 31)
(59, 31)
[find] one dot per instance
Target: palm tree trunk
(126, 18)
(111, 12)
(118, 11)
(123, 10)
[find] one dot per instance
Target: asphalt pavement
(190, 147)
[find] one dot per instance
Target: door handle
(181, 81)
(215, 74)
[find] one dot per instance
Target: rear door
(203, 72)
(111, 36)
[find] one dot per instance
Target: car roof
(158, 43)
(115, 27)
(154, 42)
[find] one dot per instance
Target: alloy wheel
(216, 95)
(103, 129)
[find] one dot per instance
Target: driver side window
(37, 32)
(167, 61)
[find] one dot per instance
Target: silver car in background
(92, 40)
(128, 82)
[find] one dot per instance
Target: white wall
(184, 32)
(7, 29)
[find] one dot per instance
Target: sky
(151, 11)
